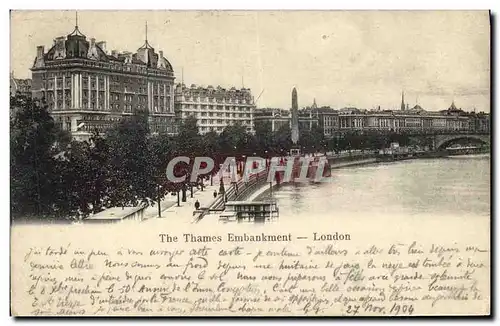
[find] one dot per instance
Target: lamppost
(159, 200)
(243, 164)
(201, 182)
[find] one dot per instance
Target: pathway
(183, 213)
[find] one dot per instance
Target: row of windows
(215, 108)
(213, 100)
(220, 121)
(112, 78)
(93, 94)
(101, 107)
(227, 115)
(210, 114)
(156, 88)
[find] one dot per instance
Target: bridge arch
(442, 141)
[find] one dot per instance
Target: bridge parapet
(441, 140)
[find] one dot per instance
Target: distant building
(88, 88)
(416, 119)
(215, 107)
(19, 86)
(278, 118)
(335, 122)
(328, 120)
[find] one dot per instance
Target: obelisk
(295, 117)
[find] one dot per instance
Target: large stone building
(413, 119)
(335, 122)
(215, 107)
(87, 88)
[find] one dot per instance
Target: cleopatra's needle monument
(295, 123)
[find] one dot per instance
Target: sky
(361, 59)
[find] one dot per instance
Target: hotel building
(88, 89)
(215, 107)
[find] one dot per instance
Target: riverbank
(375, 159)
(344, 162)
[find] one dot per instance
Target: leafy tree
(32, 168)
(234, 140)
(84, 177)
(189, 140)
(283, 140)
(211, 148)
(132, 174)
(264, 137)
(312, 140)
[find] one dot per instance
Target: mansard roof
(76, 45)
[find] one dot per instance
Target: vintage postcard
(250, 163)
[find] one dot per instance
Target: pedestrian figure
(215, 194)
(197, 204)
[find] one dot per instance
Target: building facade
(413, 119)
(278, 118)
(89, 89)
(215, 107)
(337, 121)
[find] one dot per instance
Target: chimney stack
(40, 51)
(114, 53)
(161, 54)
(92, 41)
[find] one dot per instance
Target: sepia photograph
(250, 163)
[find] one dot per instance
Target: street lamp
(159, 200)
(242, 169)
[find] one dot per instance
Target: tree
(133, 176)
(84, 177)
(32, 168)
(312, 140)
(234, 141)
(264, 137)
(282, 140)
(211, 148)
(189, 140)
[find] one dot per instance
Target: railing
(237, 191)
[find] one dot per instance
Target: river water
(455, 186)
